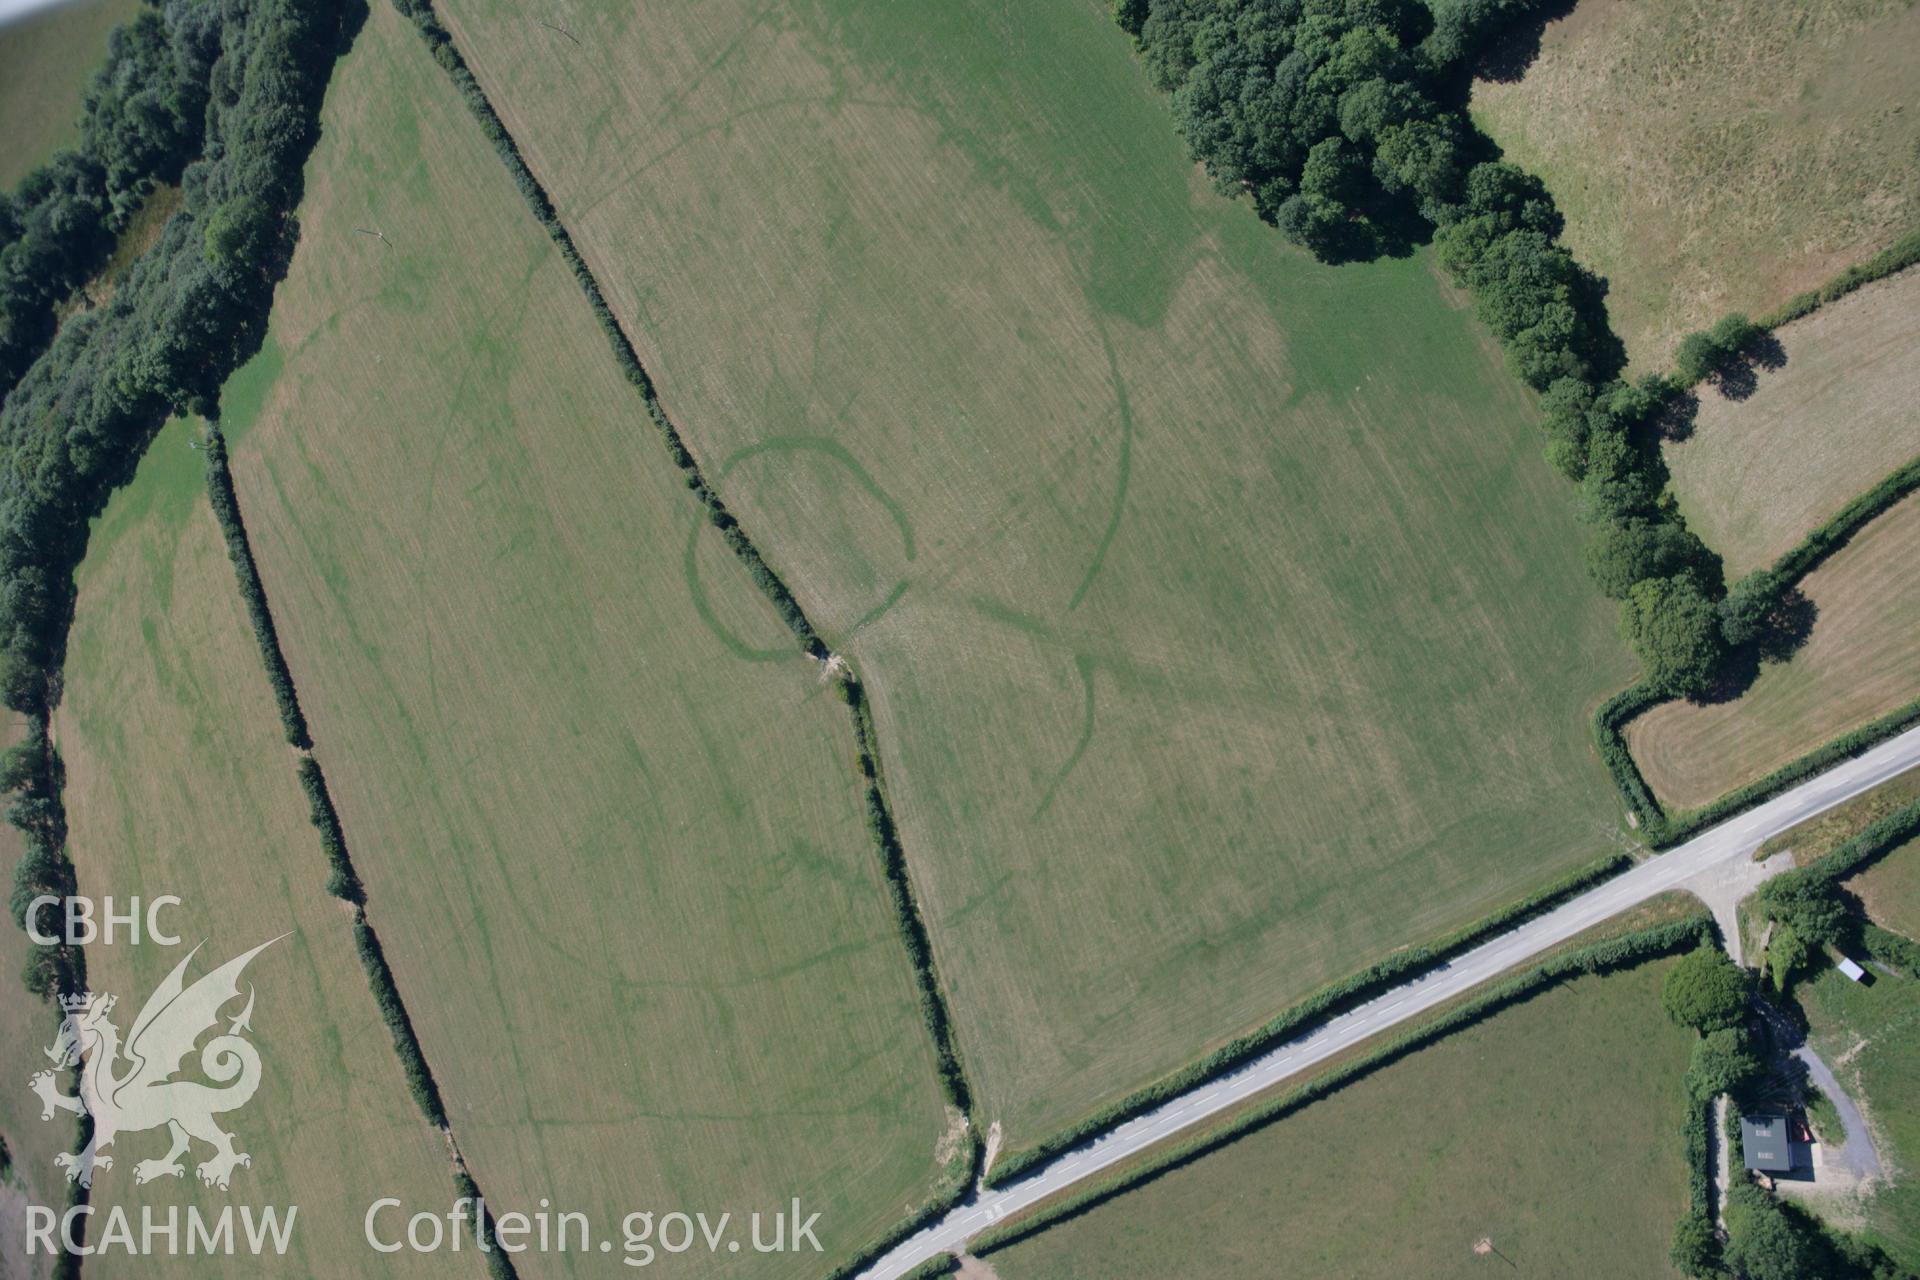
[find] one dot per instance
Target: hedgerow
(879, 817)
(499, 1262)
(1878, 838)
(421, 14)
(1601, 957)
(1835, 532)
(1756, 594)
(944, 1265)
(386, 994)
(1323, 1004)
(1897, 257)
(906, 905)
(226, 509)
(342, 882)
(924, 1217)
(1661, 828)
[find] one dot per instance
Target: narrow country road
(1736, 838)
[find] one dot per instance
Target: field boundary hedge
(879, 815)
(1596, 958)
(1325, 1003)
(1892, 260)
(924, 1217)
(1663, 827)
(906, 903)
(342, 881)
(226, 510)
(1877, 838)
(1841, 527)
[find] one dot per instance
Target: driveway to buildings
(1857, 1155)
(1702, 857)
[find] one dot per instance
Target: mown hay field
(1755, 476)
(1226, 630)
(45, 63)
(179, 781)
(1857, 664)
(1552, 1129)
(1717, 155)
(621, 873)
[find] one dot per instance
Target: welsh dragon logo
(133, 1087)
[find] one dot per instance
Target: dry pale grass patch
(1716, 155)
(618, 864)
(1224, 628)
(1857, 664)
(1757, 475)
(180, 782)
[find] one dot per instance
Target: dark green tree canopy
(1675, 631)
(1723, 1062)
(1705, 991)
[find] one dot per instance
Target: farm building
(1764, 1145)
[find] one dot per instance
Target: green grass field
(45, 62)
(1757, 475)
(620, 872)
(1890, 889)
(1858, 664)
(1553, 1129)
(1717, 155)
(179, 782)
(30, 1025)
(1225, 628)
(1870, 1036)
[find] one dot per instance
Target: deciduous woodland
(241, 85)
(1342, 120)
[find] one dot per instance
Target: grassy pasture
(620, 872)
(30, 1027)
(1857, 664)
(1870, 1036)
(1224, 627)
(1553, 1128)
(45, 62)
(1757, 475)
(179, 782)
(1890, 890)
(1717, 155)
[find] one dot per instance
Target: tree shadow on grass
(1507, 56)
(1738, 376)
(1786, 629)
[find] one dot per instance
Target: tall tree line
(239, 82)
(1343, 122)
